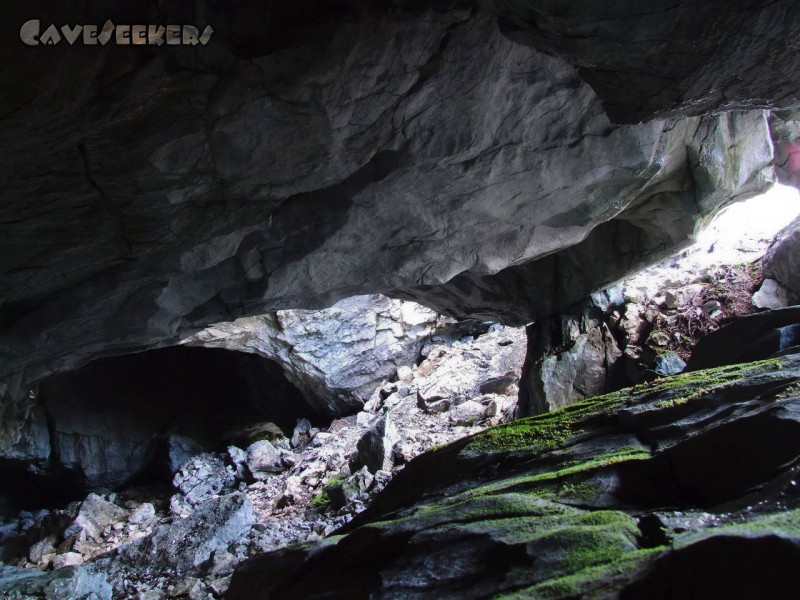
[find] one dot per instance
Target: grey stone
(669, 363)
(94, 515)
(202, 476)
(142, 513)
(374, 448)
(63, 584)
(336, 356)
(238, 459)
(749, 338)
(42, 548)
(180, 449)
(103, 442)
(363, 419)
(68, 559)
(570, 357)
(782, 260)
(467, 413)
(264, 460)
(712, 308)
(645, 77)
(302, 433)
(457, 372)
(188, 543)
(321, 438)
(772, 295)
(785, 129)
(24, 434)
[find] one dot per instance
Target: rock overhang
(311, 153)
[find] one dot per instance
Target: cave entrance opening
(129, 420)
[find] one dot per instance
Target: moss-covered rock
(619, 495)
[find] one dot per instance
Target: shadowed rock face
(112, 421)
(668, 57)
(311, 153)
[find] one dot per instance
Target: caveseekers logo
(123, 35)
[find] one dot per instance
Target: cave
(109, 424)
(248, 270)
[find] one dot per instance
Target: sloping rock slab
(633, 494)
(753, 337)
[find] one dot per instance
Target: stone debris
(203, 476)
(95, 516)
(272, 490)
(647, 326)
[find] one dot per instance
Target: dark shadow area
(123, 420)
(723, 567)
(718, 466)
(23, 489)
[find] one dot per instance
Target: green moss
(590, 580)
(583, 491)
(541, 483)
(672, 402)
(323, 498)
(546, 432)
(784, 523)
(542, 432)
(466, 508)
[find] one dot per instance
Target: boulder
(42, 549)
(94, 516)
(462, 370)
(669, 363)
(62, 584)
(142, 513)
(782, 260)
(374, 449)
(570, 357)
(352, 489)
(68, 559)
(203, 476)
(180, 449)
(186, 544)
(467, 413)
(264, 460)
(301, 436)
(772, 295)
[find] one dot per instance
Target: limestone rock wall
(309, 155)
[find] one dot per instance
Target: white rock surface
(336, 356)
(772, 295)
